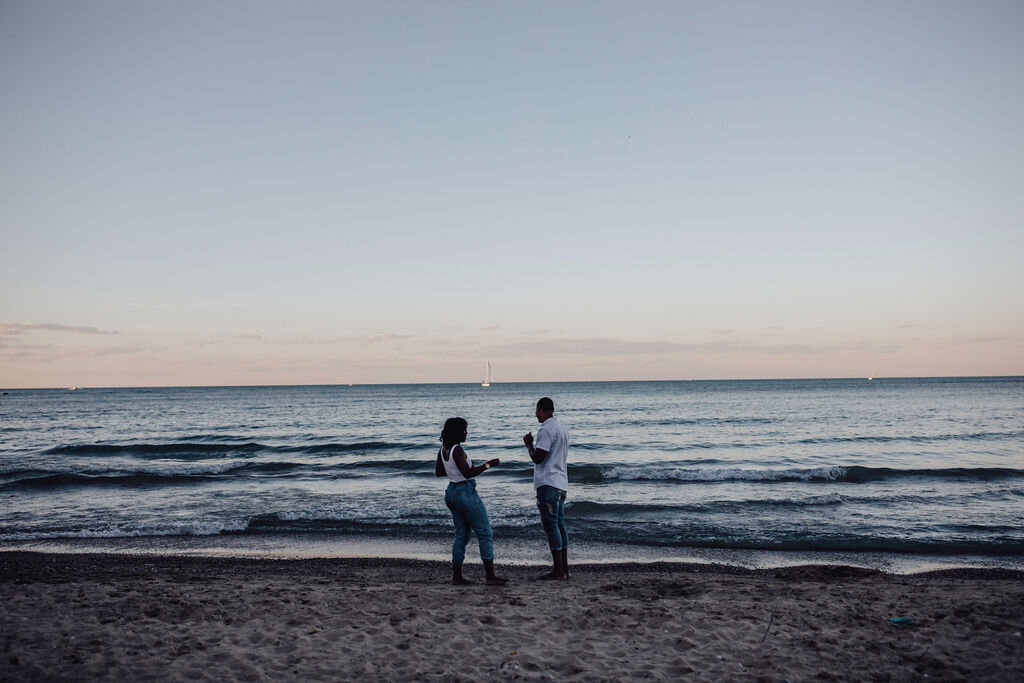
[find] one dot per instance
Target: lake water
(901, 467)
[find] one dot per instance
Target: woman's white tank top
(450, 468)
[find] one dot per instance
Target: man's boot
(557, 572)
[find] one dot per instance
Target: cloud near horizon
(597, 346)
(21, 328)
(430, 345)
(977, 340)
(456, 355)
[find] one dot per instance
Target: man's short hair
(546, 404)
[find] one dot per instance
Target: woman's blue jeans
(551, 503)
(468, 512)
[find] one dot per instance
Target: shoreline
(514, 552)
(109, 616)
(20, 565)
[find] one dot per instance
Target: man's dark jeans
(551, 503)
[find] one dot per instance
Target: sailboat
(487, 376)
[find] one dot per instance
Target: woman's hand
(493, 463)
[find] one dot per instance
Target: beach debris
(902, 621)
(770, 622)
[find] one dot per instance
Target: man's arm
(537, 455)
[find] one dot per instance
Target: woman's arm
(463, 465)
(439, 466)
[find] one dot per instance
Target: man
(551, 481)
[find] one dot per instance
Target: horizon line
(575, 381)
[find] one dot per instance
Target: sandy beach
(89, 617)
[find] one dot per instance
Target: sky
(250, 193)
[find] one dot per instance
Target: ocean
(845, 468)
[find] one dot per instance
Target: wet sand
(106, 616)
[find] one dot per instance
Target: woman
(468, 510)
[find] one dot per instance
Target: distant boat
(487, 376)
(72, 388)
(870, 378)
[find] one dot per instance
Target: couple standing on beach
(549, 454)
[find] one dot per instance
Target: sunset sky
(220, 193)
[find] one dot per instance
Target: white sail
(487, 376)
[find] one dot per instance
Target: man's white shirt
(553, 438)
